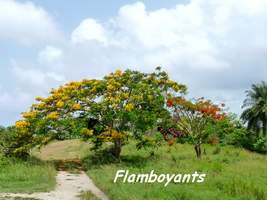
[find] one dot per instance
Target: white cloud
(88, 30)
(201, 35)
(213, 46)
(27, 84)
(31, 78)
(26, 23)
(217, 48)
(50, 54)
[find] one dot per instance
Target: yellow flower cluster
(76, 106)
(113, 84)
(53, 115)
(124, 95)
(73, 85)
(116, 134)
(40, 105)
(111, 134)
(88, 132)
(111, 87)
(50, 98)
(29, 114)
(118, 72)
(22, 124)
(65, 98)
(129, 107)
(39, 99)
(60, 104)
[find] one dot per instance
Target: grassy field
(232, 174)
(22, 176)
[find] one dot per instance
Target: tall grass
(26, 176)
(232, 173)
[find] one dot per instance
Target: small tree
(193, 116)
(120, 105)
(17, 141)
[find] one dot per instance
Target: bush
(14, 144)
(231, 131)
(227, 131)
(261, 144)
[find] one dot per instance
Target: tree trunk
(117, 148)
(264, 125)
(198, 150)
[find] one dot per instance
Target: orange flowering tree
(122, 104)
(192, 117)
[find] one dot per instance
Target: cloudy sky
(218, 48)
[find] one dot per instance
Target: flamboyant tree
(120, 105)
(192, 117)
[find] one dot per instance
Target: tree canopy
(122, 104)
(192, 117)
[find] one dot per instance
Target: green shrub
(260, 144)
(14, 144)
(232, 132)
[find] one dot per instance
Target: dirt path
(69, 186)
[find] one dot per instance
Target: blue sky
(217, 48)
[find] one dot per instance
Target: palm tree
(255, 113)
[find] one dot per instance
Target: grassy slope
(231, 174)
(63, 150)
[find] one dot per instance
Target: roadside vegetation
(88, 196)
(29, 175)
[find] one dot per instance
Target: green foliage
(192, 118)
(122, 104)
(260, 144)
(228, 131)
(153, 141)
(231, 131)
(13, 143)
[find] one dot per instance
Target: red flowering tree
(192, 117)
